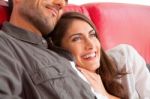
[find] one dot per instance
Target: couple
(29, 70)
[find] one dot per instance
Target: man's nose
(60, 3)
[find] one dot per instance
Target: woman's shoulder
(121, 52)
(123, 49)
(125, 56)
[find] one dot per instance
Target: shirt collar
(23, 35)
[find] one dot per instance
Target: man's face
(42, 14)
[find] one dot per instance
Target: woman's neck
(96, 83)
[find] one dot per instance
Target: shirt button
(43, 41)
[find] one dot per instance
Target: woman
(111, 75)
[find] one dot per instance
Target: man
(28, 70)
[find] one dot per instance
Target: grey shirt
(28, 70)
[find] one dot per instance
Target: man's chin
(46, 33)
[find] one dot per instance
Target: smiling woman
(111, 75)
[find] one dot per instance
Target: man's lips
(53, 10)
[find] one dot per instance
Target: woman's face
(80, 39)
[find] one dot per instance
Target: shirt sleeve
(10, 76)
(139, 80)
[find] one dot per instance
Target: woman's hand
(94, 80)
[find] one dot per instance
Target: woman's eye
(93, 35)
(76, 39)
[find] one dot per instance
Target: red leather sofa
(116, 23)
(3, 12)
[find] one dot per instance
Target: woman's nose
(89, 44)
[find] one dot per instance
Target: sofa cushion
(77, 8)
(3, 14)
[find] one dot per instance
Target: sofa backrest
(116, 24)
(3, 12)
(120, 23)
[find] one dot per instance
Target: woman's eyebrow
(76, 34)
(91, 30)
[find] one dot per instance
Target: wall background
(140, 2)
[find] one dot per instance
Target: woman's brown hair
(107, 70)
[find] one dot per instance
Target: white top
(137, 81)
(98, 95)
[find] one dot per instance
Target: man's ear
(16, 1)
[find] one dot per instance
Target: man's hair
(10, 6)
